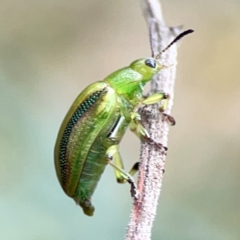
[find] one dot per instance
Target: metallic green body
(96, 121)
(95, 124)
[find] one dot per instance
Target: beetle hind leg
(114, 159)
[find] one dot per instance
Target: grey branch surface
(152, 159)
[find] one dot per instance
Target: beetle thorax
(128, 82)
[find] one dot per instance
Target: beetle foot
(134, 192)
(170, 119)
(152, 142)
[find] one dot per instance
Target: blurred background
(51, 50)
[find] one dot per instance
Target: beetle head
(147, 67)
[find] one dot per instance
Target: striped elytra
(77, 115)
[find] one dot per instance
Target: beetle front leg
(164, 98)
(114, 159)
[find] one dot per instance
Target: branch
(153, 160)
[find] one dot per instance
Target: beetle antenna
(174, 40)
(151, 38)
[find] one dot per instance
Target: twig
(153, 160)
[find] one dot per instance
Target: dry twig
(152, 160)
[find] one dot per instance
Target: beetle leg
(164, 98)
(155, 98)
(114, 159)
(119, 163)
(136, 127)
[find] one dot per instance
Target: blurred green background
(51, 50)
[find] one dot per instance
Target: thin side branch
(152, 159)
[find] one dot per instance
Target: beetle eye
(151, 63)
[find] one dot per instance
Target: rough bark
(153, 159)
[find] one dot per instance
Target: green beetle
(95, 124)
